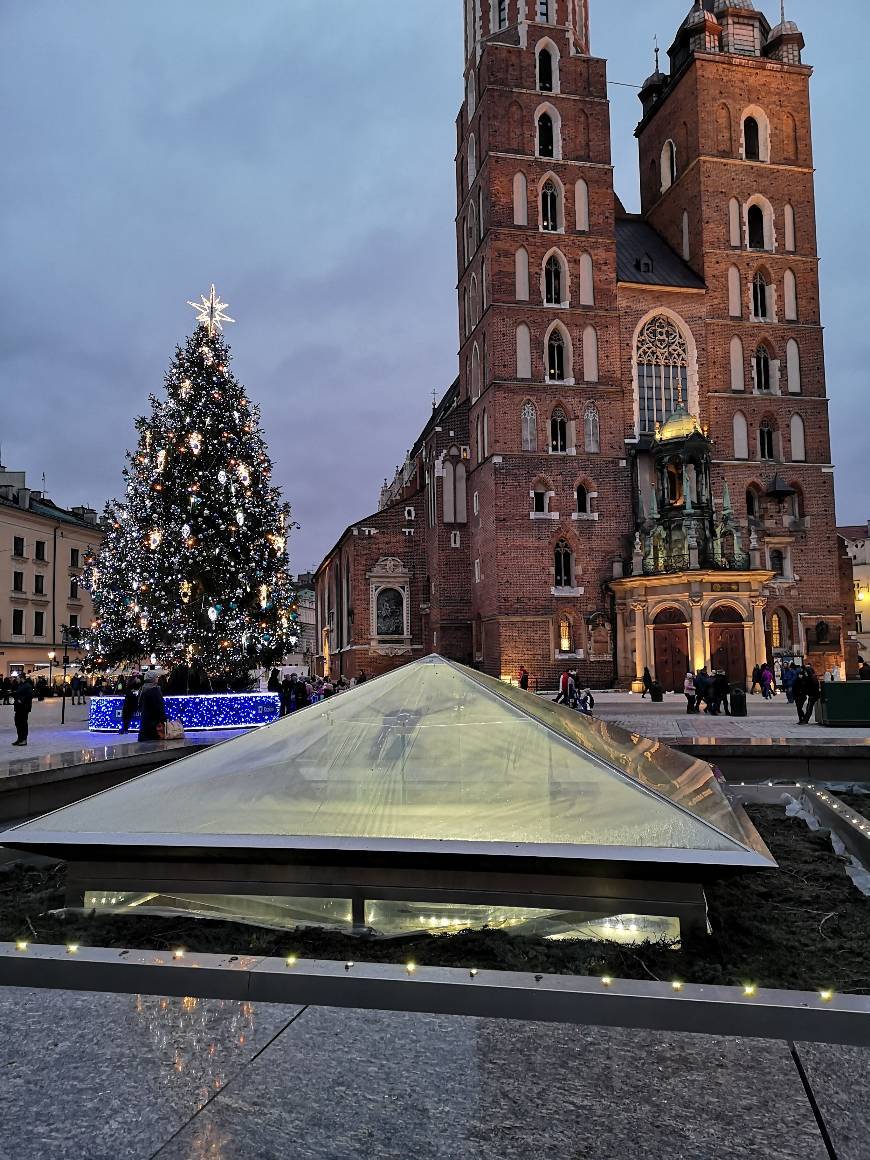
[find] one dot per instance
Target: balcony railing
(680, 562)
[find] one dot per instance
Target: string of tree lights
(193, 568)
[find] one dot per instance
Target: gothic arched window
(582, 500)
(564, 566)
(565, 638)
(765, 440)
(553, 281)
(762, 369)
(776, 633)
(752, 139)
(591, 430)
(755, 227)
(530, 427)
(550, 207)
(662, 371)
(556, 357)
(545, 70)
(760, 295)
(546, 136)
(559, 431)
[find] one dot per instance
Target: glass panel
(430, 752)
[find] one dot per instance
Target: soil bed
(803, 927)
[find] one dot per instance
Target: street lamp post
(52, 654)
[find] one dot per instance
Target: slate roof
(637, 241)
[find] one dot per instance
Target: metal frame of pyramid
(433, 783)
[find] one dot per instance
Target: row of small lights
(750, 990)
(860, 823)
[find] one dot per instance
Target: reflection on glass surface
(432, 751)
(393, 919)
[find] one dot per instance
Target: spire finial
(656, 42)
(782, 11)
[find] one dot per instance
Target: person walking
(814, 691)
(767, 682)
(647, 682)
(22, 699)
(7, 690)
(789, 676)
(152, 709)
(756, 679)
(130, 705)
(564, 683)
(288, 694)
(524, 678)
(721, 690)
(689, 691)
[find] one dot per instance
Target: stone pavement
(119, 1077)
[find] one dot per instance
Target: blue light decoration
(209, 711)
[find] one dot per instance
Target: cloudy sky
(300, 156)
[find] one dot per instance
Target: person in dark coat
(647, 682)
(302, 698)
(287, 694)
(274, 683)
(22, 699)
(807, 691)
(131, 704)
(721, 691)
(524, 677)
(864, 671)
(151, 708)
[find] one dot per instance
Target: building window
(18, 546)
(73, 624)
(591, 431)
(553, 281)
(545, 71)
(17, 581)
(668, 165)
(563, 565)
(550, 207)
(765, 440)
(556, 357)
(662, 371)
(760, 297)
(777, 562)
(776, 633)
(762, 369)
(583, 507)
(544, 11)
(18, 622)
(540, 500)
(73, 589)
(530, 427)
(39, 584)
(546, 136)
(390, 612)
(559, 432)
(73, 557)
(752, 139)
(39, 550)
(753, 504)
(566, 644)
(502, 13)
(39, 624)
(755, 227)
(477, 571)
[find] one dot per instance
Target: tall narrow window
(563, 566)
(762, 369)
(668, 165)
(737, 371)
(590, 354)
(789, 285)
(777, 561)
(753, 504)
(521, 263)
(776, 633)
(553, 281)
(550, 207)
(734, 304)
(741, 437)
(662, 371)
(556, 357)
(524, 352)
(793, 366)
(544, 11)
(472, 160)
(521, 204)
(798, 440)
(755, 227)
(765, 440)
(581, 205)
(591, 430)
(752, 139)
(502, 13)
(559, 432)
(790, 238)
(586, 282)
(760, 296)
(545, 71)
(734, 222)
(530, 427)
(582, 500)
(565, 640)
(546, 137)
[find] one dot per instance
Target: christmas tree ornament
(195, 442)
(211, 312)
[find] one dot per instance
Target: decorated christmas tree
(193, 569)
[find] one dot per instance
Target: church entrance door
(727, 645)
(671, 637)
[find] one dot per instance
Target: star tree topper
(211, 311)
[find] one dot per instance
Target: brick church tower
(633, 468)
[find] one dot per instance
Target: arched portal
(671, 649)
(728, 644)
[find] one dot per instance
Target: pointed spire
(656, 42)
(782, 11)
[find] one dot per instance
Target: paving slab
(363, 1085)
(93, 1076)
(840, 1081)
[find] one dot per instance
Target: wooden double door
(671, 655)
(728, 651)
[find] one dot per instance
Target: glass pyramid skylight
(431, 757)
